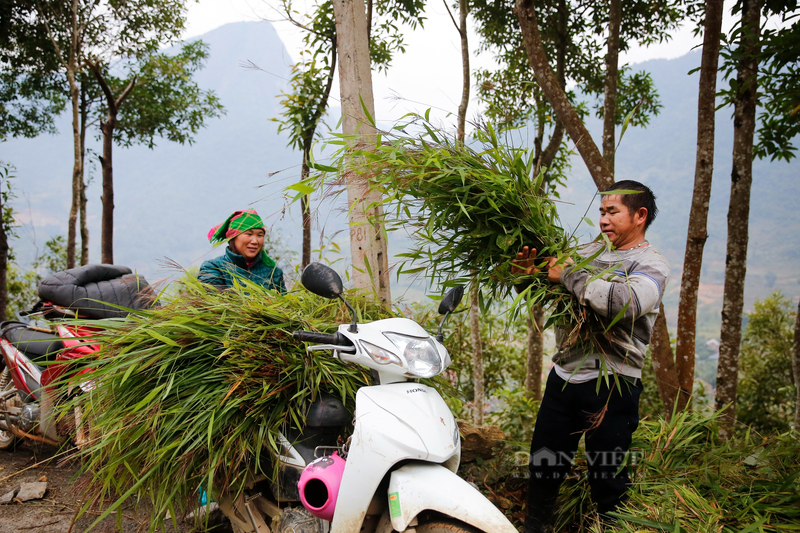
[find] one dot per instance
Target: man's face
(623, 228)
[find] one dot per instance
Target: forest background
(235, 153)
(240, 160)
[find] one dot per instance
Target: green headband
(237, 223)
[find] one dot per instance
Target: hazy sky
(427, 75)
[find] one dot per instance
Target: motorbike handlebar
(322, 338)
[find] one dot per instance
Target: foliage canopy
(766, 393)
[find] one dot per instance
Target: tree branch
(610, 86)
(562, 107)
(126, 92)
(458, 29)
(95, 68)
(549, 154)
(50, 34)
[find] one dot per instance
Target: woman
(244, 257)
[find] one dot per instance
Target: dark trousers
(566, 413)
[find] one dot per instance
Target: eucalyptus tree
(307, 103)
(697, 233)
(767, 58)
(571, 34)
(61, 22)
(377, 39)
(101, 32)
(154, 97)
(479, 395)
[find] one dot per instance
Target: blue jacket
(220, 270)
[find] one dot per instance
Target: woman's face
(249, 244)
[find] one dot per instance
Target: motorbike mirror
(322, 280)
(451, 300)
(448, 305)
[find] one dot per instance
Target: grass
(685, 479)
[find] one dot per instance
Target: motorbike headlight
(379, 355)
(420, 353)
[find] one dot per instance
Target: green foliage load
(193, 394)
(766, 391)
(472, 206)
(469, 209)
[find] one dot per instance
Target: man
(594, 386)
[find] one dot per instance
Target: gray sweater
(638, 276)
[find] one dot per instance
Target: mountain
(167, 198)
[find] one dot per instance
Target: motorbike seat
(324, 421)
(37, 345)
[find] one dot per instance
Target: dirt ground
(57, 511)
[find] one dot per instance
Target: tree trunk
(612, 76)
(107, 127)
(533, 371)
(82, 206)
(477, 352)
(744, 122)
(308, 139)
(77, 167)
(462, 107)
(703, 171)
(564, 110)
(367, 239)
(3, 264)
(664, 365)
(474, 310)
(107, 218)
(305, 209)
(796, 370)
(544, 158)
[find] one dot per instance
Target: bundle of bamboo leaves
(472, 206)
(469, 208)
(193, 394)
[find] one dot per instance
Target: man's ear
(642, 213)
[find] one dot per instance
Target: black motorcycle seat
(34, 344)
(324, 422)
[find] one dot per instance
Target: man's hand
(526, 260)
(524, 263)
(554, 271)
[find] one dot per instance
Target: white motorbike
(397, 471)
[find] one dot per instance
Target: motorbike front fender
(418, 487)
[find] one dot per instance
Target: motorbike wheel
(445, 525)
(7, 439)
